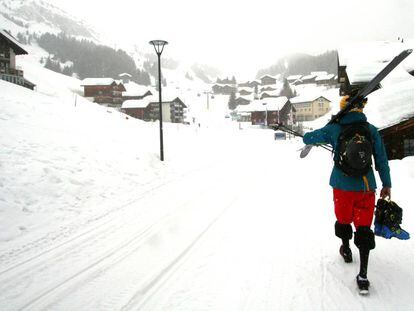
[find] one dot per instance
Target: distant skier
(354, 142)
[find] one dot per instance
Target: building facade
(268, 80)
(172, 111)
(399, 139)
(309, 109)
(104, 91)
(9, 48)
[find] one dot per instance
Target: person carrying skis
(354, 189)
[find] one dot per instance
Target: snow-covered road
(251, 229)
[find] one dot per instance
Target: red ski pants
(354, 206)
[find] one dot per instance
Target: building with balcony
(104, 91)
(9, 48)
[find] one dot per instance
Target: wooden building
(293, 78)
(268, 79)
(147, 109)
(134, 95)
(172, 111)
(399, 139)
(9, 48)
(242, 101)
(270, 94)
(244, 84)
(136, 108)
(308, 79)
(245, 91)
(327, 80)
(272, 111)
(267, 88)
(254, 84)
(125, 77)
(104, 90)
(223, 89)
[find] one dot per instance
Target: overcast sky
(243, 36)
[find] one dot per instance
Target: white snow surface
(90, 219)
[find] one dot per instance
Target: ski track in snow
(86, 240)
(235, 242)
(97, 221)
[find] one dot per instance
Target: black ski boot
(346, 253)
(344, 232)
(363, 285)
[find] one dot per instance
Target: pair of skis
(363, 93)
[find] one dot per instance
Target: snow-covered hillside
(90, 219)
(37, 16)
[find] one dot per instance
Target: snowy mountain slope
(37, 16)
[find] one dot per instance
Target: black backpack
(354, 149)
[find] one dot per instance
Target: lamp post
(208, 94)
(265, 104)
(159, 48)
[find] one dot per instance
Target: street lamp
(208, 94)
(159, 47)
(265, 104)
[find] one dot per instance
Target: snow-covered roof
(363, 61)
(138, 89)
(269, 104)
(307, 98)
(308, 77)
(17, 47)
(293, 77)
(245, 97)
(391, 104)
(325, 77)
(246, 88)
(274, 103)
(319, 73)
(227, 85)
(135, 103)
(394, 101)
(270, 76)
(370, 52)
(97, 81)
(271, 93)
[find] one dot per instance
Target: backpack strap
(366, 183)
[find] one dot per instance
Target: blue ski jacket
(329, 134)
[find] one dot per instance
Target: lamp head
(158, 45)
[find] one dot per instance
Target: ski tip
(305, 150)
(409, 51)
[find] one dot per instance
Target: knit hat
(344, 101)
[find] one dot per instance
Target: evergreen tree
(232, 101)
(68, 70)
(286, 89)
(53, 65)
(90, 59)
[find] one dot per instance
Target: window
(408, 147)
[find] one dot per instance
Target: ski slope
(90, 219)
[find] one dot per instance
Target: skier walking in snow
(354, 183)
